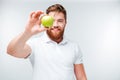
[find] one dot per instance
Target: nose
(55, 24)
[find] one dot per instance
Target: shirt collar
(46, 39)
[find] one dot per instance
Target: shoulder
(73, 43)
(34, 40)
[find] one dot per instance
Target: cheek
(62, 25)
(62, 28)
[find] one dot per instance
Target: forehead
(58, 15)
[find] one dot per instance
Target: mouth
(55, 29)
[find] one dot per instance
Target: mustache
(55, 27)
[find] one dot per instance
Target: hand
(33, 25)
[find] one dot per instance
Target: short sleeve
(30, 43)
(78, 55)
(31, 56)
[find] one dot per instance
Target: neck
(58, 40)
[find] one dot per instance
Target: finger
(37, 14)
(31, 14)
(42, 29)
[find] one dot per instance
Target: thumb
(41, 29)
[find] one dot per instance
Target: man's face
(57, 30)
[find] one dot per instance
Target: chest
(55, 54)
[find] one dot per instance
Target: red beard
(55, 33)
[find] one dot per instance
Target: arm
(79, 72)
(18, 47)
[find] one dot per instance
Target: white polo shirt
(52, 61)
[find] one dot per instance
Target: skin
(57, 30)
(18, 47)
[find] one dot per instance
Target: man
(53, 56)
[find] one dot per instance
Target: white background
(94, 24)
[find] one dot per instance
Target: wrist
(27, 34)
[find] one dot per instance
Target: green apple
(47, 21)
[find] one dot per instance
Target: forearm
(82, 78)
(80, 72)
(17, 45)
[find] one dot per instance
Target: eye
(60, 20)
